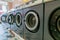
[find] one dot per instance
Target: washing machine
(10, 19)
(4, 21)
(18, 24)
(52, 20)
(33, 29)
(4, 18)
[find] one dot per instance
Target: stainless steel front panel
(18, 25)
(31, 33)
(49, 8)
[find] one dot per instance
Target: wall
(10, 5)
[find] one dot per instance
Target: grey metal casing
(38, 35)
(15, 28)
(49, 8)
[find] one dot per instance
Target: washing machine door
(18, 19)
(4, 18)
(32, 21)
(11, 19)
(54, 24)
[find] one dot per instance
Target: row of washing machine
(38, 22)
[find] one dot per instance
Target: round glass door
(10, 19)
(18, 19)
(54, 24)
(32, 21)
(3, 18)
(58, 23)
